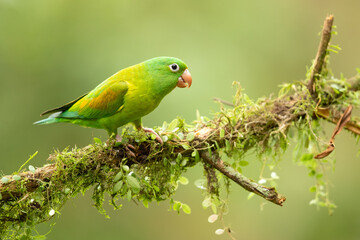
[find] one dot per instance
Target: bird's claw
(131, 153)
(158, 138)
(127, 147)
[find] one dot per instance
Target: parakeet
(125, 97)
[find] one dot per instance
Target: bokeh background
(53, 51)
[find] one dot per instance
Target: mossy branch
(141, 169)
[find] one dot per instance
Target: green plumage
(124, 97)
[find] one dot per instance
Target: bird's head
(169, 72)
(178, 67)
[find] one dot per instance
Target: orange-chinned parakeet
(125, 97)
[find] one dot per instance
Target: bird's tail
(51, 119)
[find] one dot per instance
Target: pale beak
(185, 79)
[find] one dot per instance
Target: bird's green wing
(105, 100)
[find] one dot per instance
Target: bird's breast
(140, 101)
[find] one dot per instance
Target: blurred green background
(53, 51)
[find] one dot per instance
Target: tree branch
(267, 193)
(260, 123)
(321, 54)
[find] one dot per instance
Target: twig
(334, 116)
(267, 193)
(223, 102)
(321, 54)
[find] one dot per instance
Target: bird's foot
(131, 153)
(127, 146)
(158, 138)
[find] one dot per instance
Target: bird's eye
(174, 67)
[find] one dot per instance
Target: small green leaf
(190, 136)
(312, 173)
(16, 177)
(243, 163)
(195, 154)
(206, 203)
(0, 196)
(185, 146)
(217, 145)
(213, 208)
(283, 144)
(5, 180)
(186, 208)
(312, 189)
(156, 188)
(129, 195)
(307, 157)
(222, 133)
(250, 195)
(183, 180)
(117, 186)
(184, 162)
(212, 218)
(173, 125)
(97, 140)
(179, 157)
(219, 231)
(164, 126)
(180, 135)
(227, 146)
(177, 206)
(134, 183)
(125, 168)
(145, 203)
(210, 150)
(66, 190)
(319, 175)
(200, 183)
(31, 168)
(118, 176)
(165, 138)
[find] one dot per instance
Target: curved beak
(185, 79)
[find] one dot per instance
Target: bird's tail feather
(47, 121)
(51, 119)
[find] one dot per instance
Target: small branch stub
(321, 54)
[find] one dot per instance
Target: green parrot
(125, 97)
